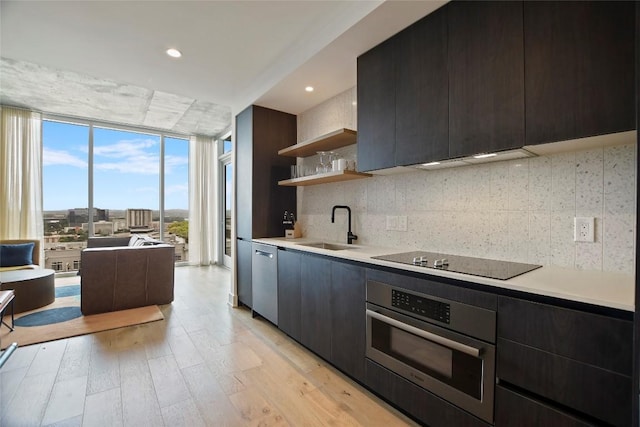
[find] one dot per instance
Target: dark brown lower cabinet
(515, 409)
(289, 309)
(573, 359)
(595, 392)
(321, 304)
(315, 305)
(421, 404)
(348, 335)
(244, 273)
(555, 366)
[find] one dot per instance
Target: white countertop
(607, 289)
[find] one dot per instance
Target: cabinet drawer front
(593, 391)
(423, 405)
(514, 409)
(590, 338)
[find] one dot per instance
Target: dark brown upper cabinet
(422, 92)
(579, 69)
(376, 107)
(486, 77)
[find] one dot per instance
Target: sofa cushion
(19, 267)
(143, 240)
(135, 240)
(12, 255)
(150, 241)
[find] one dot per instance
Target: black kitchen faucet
(350, 236)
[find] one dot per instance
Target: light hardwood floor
(206, 364)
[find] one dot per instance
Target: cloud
(128, 156)
(136, 156)
(177, 188)
(125, 148)
(145, 165)
(52, 157)
(171, 162)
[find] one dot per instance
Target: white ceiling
(105, 60)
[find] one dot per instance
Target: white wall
(518, 210)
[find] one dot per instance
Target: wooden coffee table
(32, 288)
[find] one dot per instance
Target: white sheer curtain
(20, 175)
(202, 200)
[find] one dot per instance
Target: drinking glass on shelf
(324, 161)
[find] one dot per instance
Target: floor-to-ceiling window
(226, 197)
(176, 195)
(65, 163)
(126, 182)
(111, 181)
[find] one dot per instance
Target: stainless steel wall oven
(446, 347)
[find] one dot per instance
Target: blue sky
(126, 168)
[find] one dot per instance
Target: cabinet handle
(446, 342)
(263, 253)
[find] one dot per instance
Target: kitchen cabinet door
(315, 297)
(348, 335)
(514, 409)
(421, 404)
(587, 389)
(597, 340)
(376, 108)
(289, 299)
(422, 91)
(579, 69)
(244, 271)
(486, 77)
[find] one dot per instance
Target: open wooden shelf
(327, 142)
(323, 178)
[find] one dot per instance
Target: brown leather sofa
(118, 277)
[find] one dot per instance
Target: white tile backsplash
(518, 210)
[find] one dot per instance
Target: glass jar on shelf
(324, 161)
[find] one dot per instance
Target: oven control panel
(421, 306)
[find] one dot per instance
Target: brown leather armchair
(122, 277)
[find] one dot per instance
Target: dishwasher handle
(263, 253)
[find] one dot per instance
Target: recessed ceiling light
(309, 88)
(174, 53)
(484, 156)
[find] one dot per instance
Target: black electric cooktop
(494, 269)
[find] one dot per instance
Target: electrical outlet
(584, 229)
(392, 223)
(402, 223)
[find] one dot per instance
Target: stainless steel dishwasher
(264, 263)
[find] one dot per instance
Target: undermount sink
(329, 246)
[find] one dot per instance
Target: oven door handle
(446, 342)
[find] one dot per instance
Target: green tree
(180, 229)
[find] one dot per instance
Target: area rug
(63, 319)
